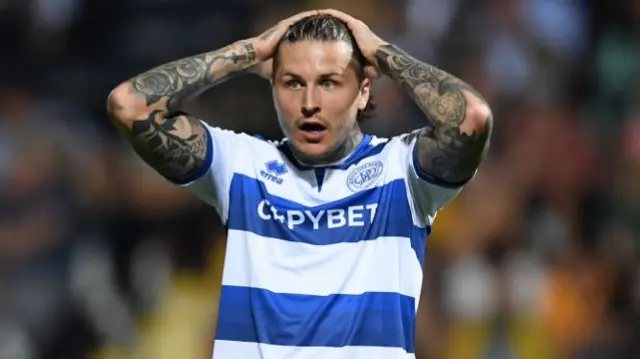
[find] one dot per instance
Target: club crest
(364, 176)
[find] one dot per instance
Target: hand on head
(267, 43)
(367, 41)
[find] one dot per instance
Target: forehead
(312, 57)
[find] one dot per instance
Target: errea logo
(364, 176)
(274, 170)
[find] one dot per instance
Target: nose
(309, 112)
(310, 103)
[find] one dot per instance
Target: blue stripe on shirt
(365, 149)
(370, 319)
(345, 220)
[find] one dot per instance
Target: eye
(294, 84)
(327, 84)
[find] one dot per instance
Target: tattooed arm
(146, 108)
(452, 145)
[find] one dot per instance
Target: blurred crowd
(539, 257)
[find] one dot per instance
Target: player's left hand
(368, 42)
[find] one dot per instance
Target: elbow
(122, 104)
(479, 118)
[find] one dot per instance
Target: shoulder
(391, 147)
(239, 141)
(237, 150)
(376, 157)
(408, 138)
(390, 151)
(371, 146)
(260, 153)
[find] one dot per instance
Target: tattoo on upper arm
(444, 149)
(450, 154)
(175, 147)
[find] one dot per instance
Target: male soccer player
(326, 229)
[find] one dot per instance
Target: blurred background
(537, 258)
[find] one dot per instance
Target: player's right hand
(266, 43)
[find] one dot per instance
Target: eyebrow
(326, 75)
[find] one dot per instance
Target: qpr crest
(364, 176)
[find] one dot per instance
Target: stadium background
(538, 258)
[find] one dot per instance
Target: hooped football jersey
(321, 262)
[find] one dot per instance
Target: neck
(339, 153)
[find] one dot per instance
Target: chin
(312, 151)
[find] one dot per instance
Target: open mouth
(312, 131)
(312, 127)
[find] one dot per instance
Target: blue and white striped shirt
(322, 262)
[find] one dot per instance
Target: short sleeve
(213, 181)
(428, 194)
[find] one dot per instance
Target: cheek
(342, 102)
(284, 106)
(342, 126)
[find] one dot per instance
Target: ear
(365, 92)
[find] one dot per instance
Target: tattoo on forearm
(176, 146)
(444, 150)
(183, 78)
(268, 33)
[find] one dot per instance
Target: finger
(281, 28)
(339, 14)
(291, 20)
